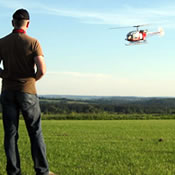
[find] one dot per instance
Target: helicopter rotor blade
(137, 26)
(120, 27)
(141, 25)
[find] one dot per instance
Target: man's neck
(19, 31)
(22, 27)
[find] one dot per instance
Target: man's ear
(27, 25)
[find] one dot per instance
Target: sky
(84, 57)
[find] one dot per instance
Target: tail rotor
(161, 31)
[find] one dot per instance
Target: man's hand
(41, 67)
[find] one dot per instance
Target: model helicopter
(139, 36)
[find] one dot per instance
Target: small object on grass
(160, 140)
(141, 139)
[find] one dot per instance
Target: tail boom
(160, 32)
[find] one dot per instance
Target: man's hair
(20, 16)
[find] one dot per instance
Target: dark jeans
(12, 103)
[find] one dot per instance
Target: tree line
(151, 106)
(147, 106)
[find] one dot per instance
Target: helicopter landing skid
(136, 43)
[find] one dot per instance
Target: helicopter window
(130, 34)
(133, 35)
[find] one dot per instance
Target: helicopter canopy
(133, 33)
(133, 36)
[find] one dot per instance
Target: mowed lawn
(116, 147)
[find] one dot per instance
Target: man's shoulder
(29, 38)
(5, 40)
(5, 37)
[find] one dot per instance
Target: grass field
(119, 147)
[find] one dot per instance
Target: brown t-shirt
(17, 52)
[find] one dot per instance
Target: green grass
(117, 147)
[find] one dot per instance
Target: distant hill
(72, 97)
(110, 104)
(112, 99)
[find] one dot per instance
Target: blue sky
(84, 57)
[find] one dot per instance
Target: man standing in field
(19, 54)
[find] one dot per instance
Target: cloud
(125, 15)
(122, 17)
(77, 83)
(11, 4)
(81, 75)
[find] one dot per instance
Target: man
(20, 54)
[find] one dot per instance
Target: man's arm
(41, 67)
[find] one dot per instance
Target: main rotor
(136, 26)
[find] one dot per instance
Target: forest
(118, 105)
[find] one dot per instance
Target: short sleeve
(37, 49)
